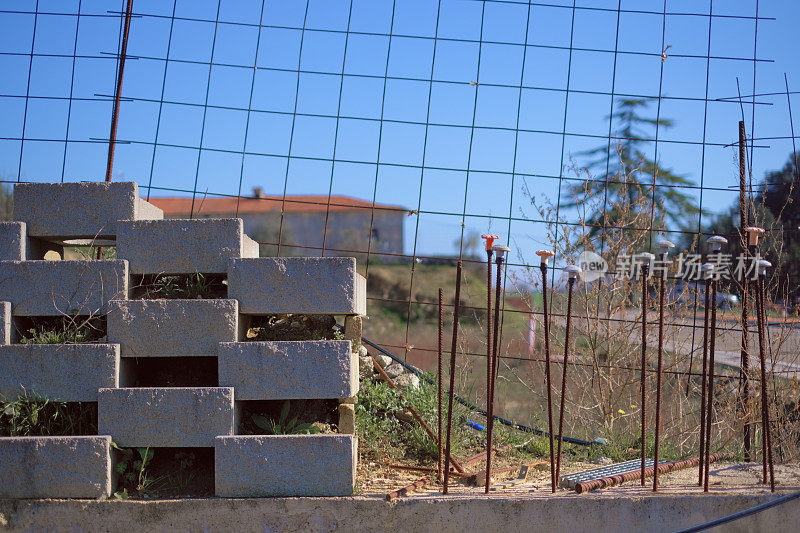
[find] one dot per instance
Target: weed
(132, 467)
(34, 415)
(284, 425)
(183, 287)
(68, 329)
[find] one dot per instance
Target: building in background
(350, 222)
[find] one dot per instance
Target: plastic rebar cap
(572, 271)
(763, 265)
(716, 243)
(707, 269)
(647, 257)
(544, 255)
(490, 238)
(665, 245)
(500, 250)
(753, 233)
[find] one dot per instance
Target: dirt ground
(725, 478)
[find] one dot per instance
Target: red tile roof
(228, 205)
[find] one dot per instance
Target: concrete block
(183, 246)
(172, 328)
(166, 416)
(6, 334)
(51, 288)
(285, 465)
(86, 209)
(307, 285)
(13, 241)
(55, 467)
(352, 329)
(347, 418)
(278, 370)
(66, 372)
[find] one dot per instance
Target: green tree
(623, 176)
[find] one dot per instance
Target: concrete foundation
(53, 288)
(304, 285)
(55, 467)
(65, 372)
(197, 245)
(172, 328)
(166, 417)
(79, 210)
(285, 465)
(288, 369)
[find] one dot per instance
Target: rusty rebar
(570, 285)
(744, 376)
(439, 383)
(659, 367)
(482, 455)
(488, 342)
(611, 481)
(710, 392)
(494, 367)
(429, 470)
(408, 488)
(453, 348)
(703, 385)
(112, 137)
(411, 409)
(645, 269)
(546, 317)
(766, 432)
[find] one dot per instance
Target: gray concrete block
(55, 467)
(13, 241)
(172, 328)
(51, 288)
(278, 370)
(285, 465)
(5, 323)
(183, 246)
(66, 372)
(166, 416)
(307, 285)
(86, 209)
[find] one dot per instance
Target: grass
(181, 287)
(63, 330)
(33, 415)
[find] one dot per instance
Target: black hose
(742, 514)
(472, 406)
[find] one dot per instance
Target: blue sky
(376, 79)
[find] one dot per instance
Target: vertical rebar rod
(439, 380)
(660, 367)
(488, 341)
(744, 376)
(112, 137)
(766, 434)
(570, 284)
(703, 386)
(546, 315)
(644, 367)
(453, 348)
(710, 393)
(494, 369)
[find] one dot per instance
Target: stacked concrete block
(55, 467)
(198, 245)
(54, 288)
(79, 210)
(304, 285)
(285, 465)
(6, 334)
(13, 241)
(64, 372)
(288, 369)
(172, 328)
(166, 416)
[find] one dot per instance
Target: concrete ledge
(55, 467)
(13, 241)
(288, 369)
(51, 288)
(198, 245)
(165, 417)
(167, 328)
(285, 465)
(308, 285)
(6, 335)
(660, 513)
(86, 209)
(66, 372)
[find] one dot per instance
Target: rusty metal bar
(494, 369)
(545, 255)
(428, 469)
(645, 269)
(703, 384)
(478, 457)
(112, 137)
(408, 488)
(766, 434)
(453, 349)
(490, 238)
(612, 481)
(710, 392)
(744, 377)
(411, 409)
(570, 285)
(440, 467)
(664, 246)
